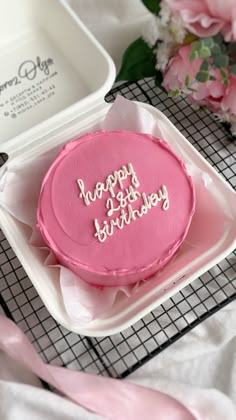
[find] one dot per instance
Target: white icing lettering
(125, 218)
(100, 233)
(121, 201)
(111, 181)
(130, 197)
(165, 197)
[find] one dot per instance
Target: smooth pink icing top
(144, 242)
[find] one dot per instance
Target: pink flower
(207, 17)
(210, 93)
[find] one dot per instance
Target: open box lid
(52, 70)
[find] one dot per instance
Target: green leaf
(218, 39)
(159, 79)
(175, 93)
(221, 60)
(138, 62)
(208, 42)
(195, 50)
(152, 5)
(196, 46)
(187, 81)
(204, 66)
(224, 49)
(233, 69)
(189, 38)
(192, 90)
(193, 55)
(232, 48)
(216, 50)
(204, 52)
(212, 77)
(202, 76)
(225, 82)
(223, 73)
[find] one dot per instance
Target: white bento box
(53, 79)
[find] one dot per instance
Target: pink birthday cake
(115, 206)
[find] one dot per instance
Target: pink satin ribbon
(111, 398)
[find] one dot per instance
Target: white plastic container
(52, 70)
(81, 73)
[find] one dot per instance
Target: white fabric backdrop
(202, 365)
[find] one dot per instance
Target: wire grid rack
(121, 354)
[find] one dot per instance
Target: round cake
(115, 206)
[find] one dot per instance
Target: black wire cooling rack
(121, 354)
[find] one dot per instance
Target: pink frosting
(142, 247)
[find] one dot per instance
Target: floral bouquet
(189, 47)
